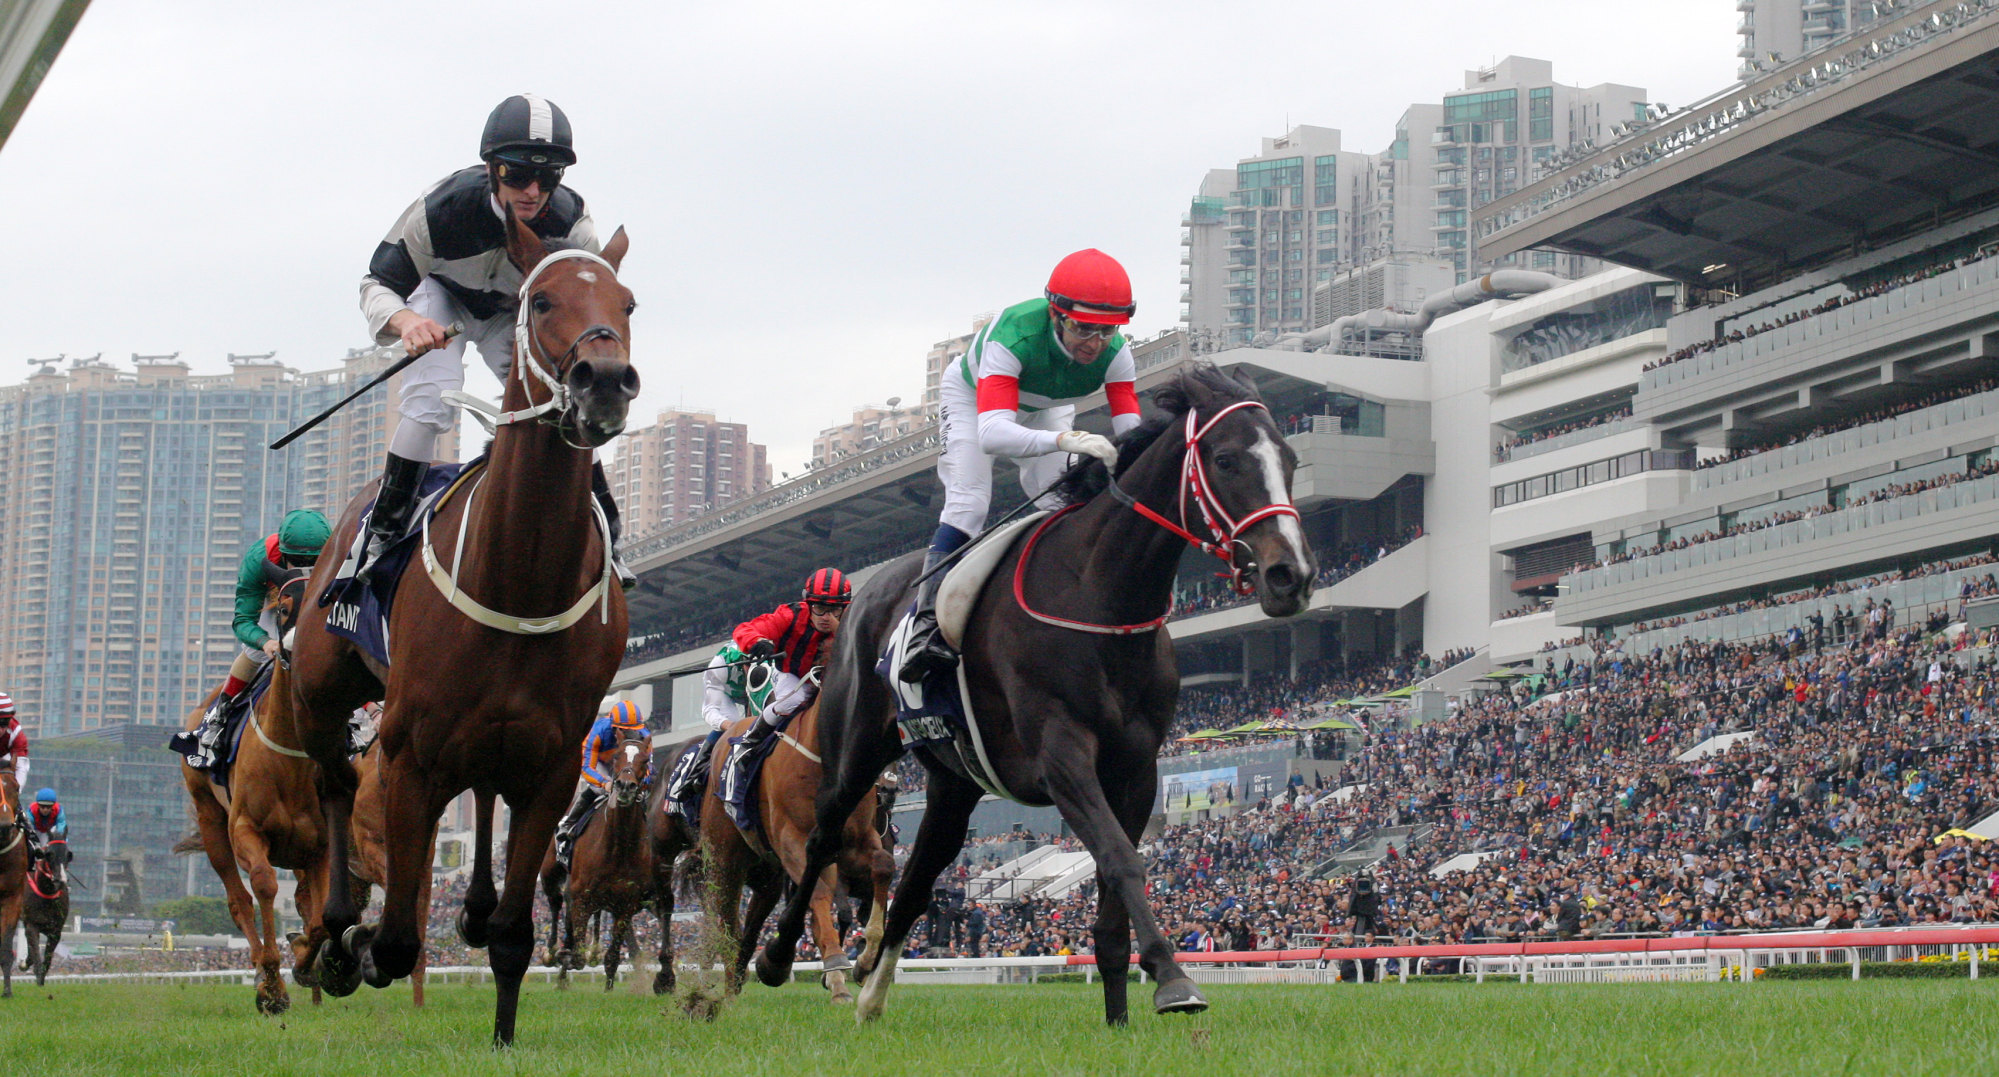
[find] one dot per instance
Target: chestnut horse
(1070, 673)
(611, 869)
(786, 790)
(45, 908)
(371, 857)
(495, 672)
(268, 818)
(13, 875)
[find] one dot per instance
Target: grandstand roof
(1885, 134)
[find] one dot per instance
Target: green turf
(1900, 1028)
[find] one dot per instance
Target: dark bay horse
(268, 818)
(491, 686)
(787, 789)
(45, 908)
(1074, 682)
(13, 875)
(610, 870)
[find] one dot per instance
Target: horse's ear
(614, 251)
(524, 248)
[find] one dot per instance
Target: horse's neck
(624, 824)
(1126, 562)
(532, 525)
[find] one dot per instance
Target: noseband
(1224, 530)
(559, 399)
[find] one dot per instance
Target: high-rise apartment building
(343, 454)
(1303, 211)
(132, 496)
(873, 425)
(1778, 31)
(942, 355)
(685, 464)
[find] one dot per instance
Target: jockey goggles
(520, 175)
(1087, 330)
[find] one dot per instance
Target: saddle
(739, 782)
(360, 613)
(938, 711)
(684, 787)
(233, 727)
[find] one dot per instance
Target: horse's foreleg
(423, 912)
(480, 900)
(621, 927)
(1112, 929)
(253, 855)
(10, 918)
(662, 908)
(510, 947)
(881, 866)
(1078, 792)
(409, 814)
(826, 936)
(946, 815)
(310, 896)
(339, 966)
(764, 894)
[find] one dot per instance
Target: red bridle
(1225, 531)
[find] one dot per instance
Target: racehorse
(670, 837)
(765, 859)
(13, 875)
(491, 685)
(268, 818)
(45, 908)
(1071, 680)
(611, 867)
(371, 857)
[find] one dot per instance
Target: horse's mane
(1196, 383)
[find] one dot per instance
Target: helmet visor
(1092, 314)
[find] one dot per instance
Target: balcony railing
(1887, 513)
(1854, 439)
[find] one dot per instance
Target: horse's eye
(1227, 461)
(541, 303)
(630, 307)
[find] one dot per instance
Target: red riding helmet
(1090, 286)
(829, 587)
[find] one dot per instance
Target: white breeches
(790, 689)
(268, 621)
(425, 414)
(965, 469)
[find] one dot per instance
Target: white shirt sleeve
(1000, 432)
(379, 302)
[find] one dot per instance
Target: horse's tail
(190, 844)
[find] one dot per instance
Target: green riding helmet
(303, 533)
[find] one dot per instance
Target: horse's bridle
(1225, 531)
(559, 399)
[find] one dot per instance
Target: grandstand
(1706, 542)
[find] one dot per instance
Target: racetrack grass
(1900, 1028)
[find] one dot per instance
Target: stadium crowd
(1503, 451)
(1864, 418)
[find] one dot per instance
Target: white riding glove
(1084, 443)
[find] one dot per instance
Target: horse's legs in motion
(213, 822)
(48, 951)
(621, 926)
(408, 799)
(1112, 929)
(765, 889)
(1078, 792)
(33, 961)
(852, 780)
(880, 866)
(423, 929)
(939, 839)
(510, 947)
(10, 918)
(567, 958)
(662, 906)
(827, 937)
(480, 900)
(253, 853)
(339, 967)
(551, 888)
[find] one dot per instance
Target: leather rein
(1224, 530)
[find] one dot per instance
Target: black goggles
(521, 175)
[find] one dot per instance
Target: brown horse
(786, 791)
(45, 908)
(268, 818)
(13, 875)
(611, 869)
(491, 686)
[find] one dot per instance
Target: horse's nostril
(630, 382)
(1281, 577)
(580, 375)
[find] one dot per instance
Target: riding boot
(208, 735)
(927, 653)
(601, 486)
(401, 478)
(697, 775)
(739, 760)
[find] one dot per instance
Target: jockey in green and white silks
(1014, 394)
(733, 685)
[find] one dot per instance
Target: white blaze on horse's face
(1271, 458)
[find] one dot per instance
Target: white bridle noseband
(491, 417)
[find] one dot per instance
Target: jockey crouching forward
(793, 634)
(1014, 394)
(598, 748)
(47, 825)
(731, 686)
(14, 752)
(446, 261)
(266, 565)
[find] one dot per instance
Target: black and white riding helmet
(529, 130)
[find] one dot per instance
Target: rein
(1225, 531)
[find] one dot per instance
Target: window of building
(1328, 256)
(1294, 256)
(1326, 235)
(1281, 172)
(1329, 216)
(1295, 236)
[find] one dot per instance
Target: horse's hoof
(1178, 996)
(303, 976)
(772, 971)
(837, 963)
(373, 976)
(272, 1005)
(472, 936)
(337, 973)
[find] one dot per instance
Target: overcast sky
(815, 192)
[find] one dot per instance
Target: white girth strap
(447, 583)
(799, 748)
(271, 744)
